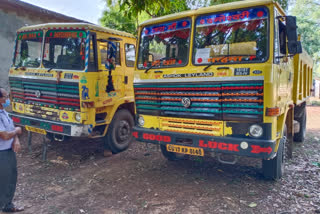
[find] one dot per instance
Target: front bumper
(68, 129)
(256, 148)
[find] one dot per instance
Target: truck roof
(65, 26)
(212, 9)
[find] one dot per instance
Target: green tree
(115, 18)
(283, 3)
(308, 21)
(133, 8)
(130, 13)
(165, 7)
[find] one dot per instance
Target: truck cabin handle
(158, 71)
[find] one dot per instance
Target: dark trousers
(8, 177)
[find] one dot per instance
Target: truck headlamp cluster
(255, 131)
(78, 117)
(141, 121)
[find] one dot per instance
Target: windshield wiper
(50, 69)
(146, 71)
(17, 67)
(208, 66)
(164, 58)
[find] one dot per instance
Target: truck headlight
(255, 130)
(78, 117)
(141, 121)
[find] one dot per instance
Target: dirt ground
(77, 178)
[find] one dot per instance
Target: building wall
(10, 22)
(14, 18)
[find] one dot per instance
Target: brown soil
(77, 178)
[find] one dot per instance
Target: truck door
(283, 76)
(130, 55)
(112, 87)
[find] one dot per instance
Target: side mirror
(294, 46)
(291, 24)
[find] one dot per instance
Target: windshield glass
(28, 49)
(164, 45)
(232, 37)
(64, 49)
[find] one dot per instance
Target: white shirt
(6, 125)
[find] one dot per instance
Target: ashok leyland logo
(38, 94)
(186, 102)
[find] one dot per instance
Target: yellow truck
(74, 80)
(228, 80)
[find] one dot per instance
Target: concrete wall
(10, 22)
(15, 14)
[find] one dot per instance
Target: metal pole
(44, 149)
(30, 142)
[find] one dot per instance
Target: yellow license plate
(185, 150)
(36, 130)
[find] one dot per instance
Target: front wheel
(119, 134)
(274, 169)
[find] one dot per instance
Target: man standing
(9, 145)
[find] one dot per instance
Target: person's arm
(16, 144)
(4, 135)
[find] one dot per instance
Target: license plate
(241, 71)
(36, 130)
(185, 150)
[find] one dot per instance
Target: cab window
(280, 48)
(239, 36)
(130, 55)
(64, 50)
(104, 52)
(93, 59)
(28, 49)
(164, 45)
(118, 57)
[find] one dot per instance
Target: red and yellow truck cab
(227, 79)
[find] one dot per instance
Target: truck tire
(274, 169)
(119, 134)
(171, 156)
(301, 135)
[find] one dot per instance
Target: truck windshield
(64, 49)
(28, 49)
(232, 37)
(164, 45)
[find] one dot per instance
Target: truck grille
(215, 101)
(43, 98)
(192, 126)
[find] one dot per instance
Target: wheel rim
(123, 132)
